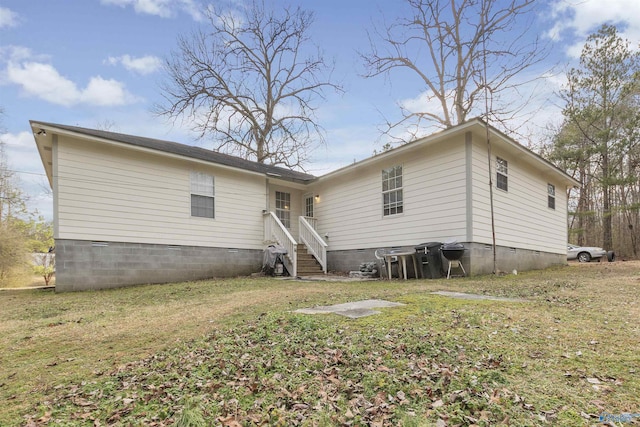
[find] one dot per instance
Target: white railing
(315, 244)
(313, 222)
(274, 230)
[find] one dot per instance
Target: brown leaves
(286, 372)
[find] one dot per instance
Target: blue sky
(97, 63)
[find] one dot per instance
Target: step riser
(307, 264)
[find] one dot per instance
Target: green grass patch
(232, 352)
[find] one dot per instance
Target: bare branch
(444, 43)
(246, 83)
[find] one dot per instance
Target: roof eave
(52, 128)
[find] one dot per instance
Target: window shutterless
(202, 195)
(392, 199)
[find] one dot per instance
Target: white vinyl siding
(433, 179)
(522, 219)
(109, 193)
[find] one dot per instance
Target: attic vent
(100, 244)
(488, 247)
(174, 247)
(46, 148)
(512, 250)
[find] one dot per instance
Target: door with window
(308, 203)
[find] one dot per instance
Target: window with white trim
(392, 201)
(551, 196)
(202, 195)
(283, 208)
(502, 174)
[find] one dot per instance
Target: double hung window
(202, 195)
(551, 196)
(392, 201)
(502, 174)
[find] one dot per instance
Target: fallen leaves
(290, 370)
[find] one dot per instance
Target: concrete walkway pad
(462, 295)
(352, 310)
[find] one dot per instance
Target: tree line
(598, 143)
(25, 237)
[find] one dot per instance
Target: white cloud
(23, 159)
(423, 102)
(19, 141)
(19, 53)
(8, 18)
(104, 92)
(161, 8)
(580, 18)
(144, 65)
(43, 81)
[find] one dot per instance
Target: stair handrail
(316, 246)
(312, 221)
(274, 229)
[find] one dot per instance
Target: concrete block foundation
(477, 259)
(83, 265)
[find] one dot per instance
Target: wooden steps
(307, 264)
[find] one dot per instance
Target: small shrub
(45, 266)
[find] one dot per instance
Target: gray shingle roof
(187, 151)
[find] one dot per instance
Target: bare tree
(249, 82)
(450, 46)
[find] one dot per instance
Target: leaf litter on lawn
(291, 369)
(435, 361)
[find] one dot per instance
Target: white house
(131, 210)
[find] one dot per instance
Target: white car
(585, 253)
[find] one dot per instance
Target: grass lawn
(231, 352)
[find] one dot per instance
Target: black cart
(429, 259)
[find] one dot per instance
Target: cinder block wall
(83, 265)
(477, 259)
(350, 260)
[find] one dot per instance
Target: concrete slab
(353, 310)
(463, 295)
(29, 288)
(330, 278)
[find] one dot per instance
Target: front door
(308, 205)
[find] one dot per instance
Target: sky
(98, 64)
